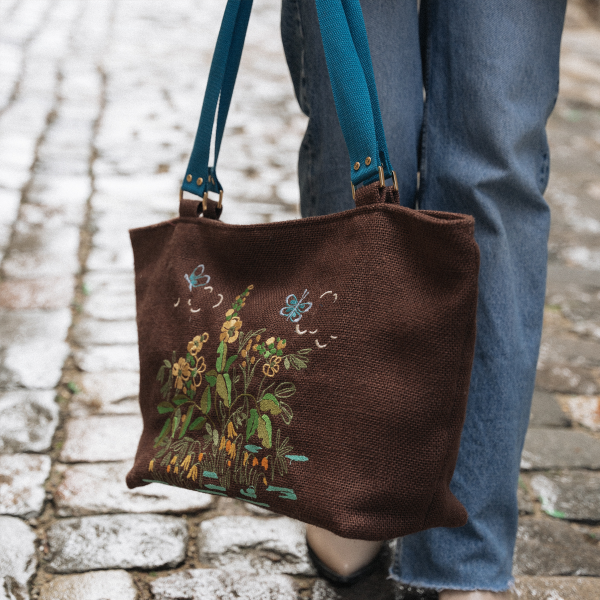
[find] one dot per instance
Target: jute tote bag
(317, 367)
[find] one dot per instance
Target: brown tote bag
(318, 367)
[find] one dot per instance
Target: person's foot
(341, 555)
(474, 595)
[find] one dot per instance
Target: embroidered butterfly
(295, 308)
(197, 279)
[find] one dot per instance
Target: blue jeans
(490, 72)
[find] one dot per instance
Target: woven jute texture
(317, 367)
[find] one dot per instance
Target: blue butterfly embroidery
(196, 279)
(294, 309)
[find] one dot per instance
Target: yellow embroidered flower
(231, 432)
(281, 344)
(193, 473)
(270, 341)
(243, 353)
(245, 459)
(230, 330)
(186, 462)
(271, 368)
(181, 372)
(253, 360)
(195, 346)
(223, 442)
(258, 338)
(231, 450)
(244, 364)
(151, 465)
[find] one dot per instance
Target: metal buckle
(205, 200)
(381, 182)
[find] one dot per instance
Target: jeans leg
(491, 77)
(324, 164)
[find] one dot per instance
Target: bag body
(318, 367)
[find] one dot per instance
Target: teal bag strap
(351, 72)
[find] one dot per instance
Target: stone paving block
(375, 587)
(122, 357)
(550, 547)
(257, 545)
(558, 448)
(17, 558)
(77, 545)
(24, 334)
(95, 585)
(42, 251)
(104, 333)
(585, 410)
(22, 478)
(101, 438)
(100, 488)
(557, 588)
(524, 501)
(572, 495)
(111, 296)
(546, 412)
(214, 584)
(113, 392)
(47, 293)
(28, 420)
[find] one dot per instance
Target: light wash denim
(490, 72)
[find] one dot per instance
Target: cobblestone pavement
(98, 101)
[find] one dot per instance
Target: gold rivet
(356, 166)
(368, 161)
(188, 178)
(199, 181)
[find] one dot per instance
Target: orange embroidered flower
(264, 463)
(281, 344)
(181, 372)
(244, 461)
(271, 368)
(228, 463)
(230, 330)
(228, 446)
(255, 461)
(200, 457)
(232, 451)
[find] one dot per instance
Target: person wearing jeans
(465, 88)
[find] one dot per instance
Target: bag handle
(353, 84)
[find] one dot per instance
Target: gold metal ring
(205, 200)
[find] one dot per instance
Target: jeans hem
(449, 586)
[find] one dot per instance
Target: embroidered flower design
(230, 330)
(195, 346)
(271, 368)
(181, 372)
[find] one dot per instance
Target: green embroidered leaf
(286, 412)
(230, 361)
(222, 388)
(186, 424)
(285, 389)
(265, 431)
(286, 362)
(222, 356)
(215, 436)
(197, 423)
(176, 420)
(270, 404)
(205, 403)
(180, 399)
(305, 351)
(165, 407)
(228, 384)
(167, 364)
(297, 362)
(209, 429)
(252, 423)
(161, 374)
(163, 431)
